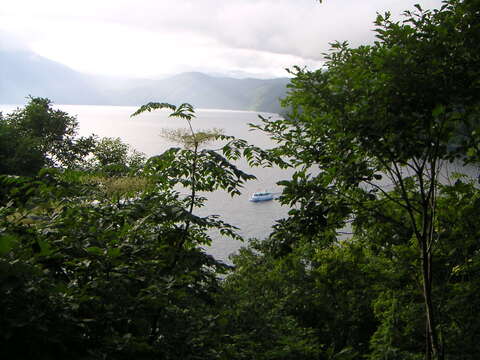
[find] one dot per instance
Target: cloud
(11, 42)
(148, 37)
(302, 27)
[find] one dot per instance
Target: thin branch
(411, 208)
(387, 195)
(361, 204)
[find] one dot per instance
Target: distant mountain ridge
(24, 73)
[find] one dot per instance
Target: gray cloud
(238, 35)
(302, 28)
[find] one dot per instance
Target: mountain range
(24, 73)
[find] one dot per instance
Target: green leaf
(95, 250)
(471, 152)
(45, 248)
(6, 243)
(153, 106)
(114, 252)
(439, 110)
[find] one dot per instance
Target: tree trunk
(427, 294)
(433, 350)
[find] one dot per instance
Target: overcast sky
(152, 38)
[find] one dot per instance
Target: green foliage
(113, 265)
(318, 300)
(378, 258)
(158, 106)
(118, 187)
(185, 138)
(357, 298)
(39, 136)
(399, 306)
(217, 173)
(118, 283)
(258, 325)
(369, 136)
(194, 169)
(112, 157)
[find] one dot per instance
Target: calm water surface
(254, 220)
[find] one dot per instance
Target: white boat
(261, 196)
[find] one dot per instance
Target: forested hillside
(210, 92)
(379, 258)
(24, 73)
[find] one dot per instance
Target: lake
(254, 220)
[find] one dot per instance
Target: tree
(115, 158)
(125, 278)
(394, 258)
(308, 304)
(385, 116)
(39, 136)
(93, 279)
(196, 169)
